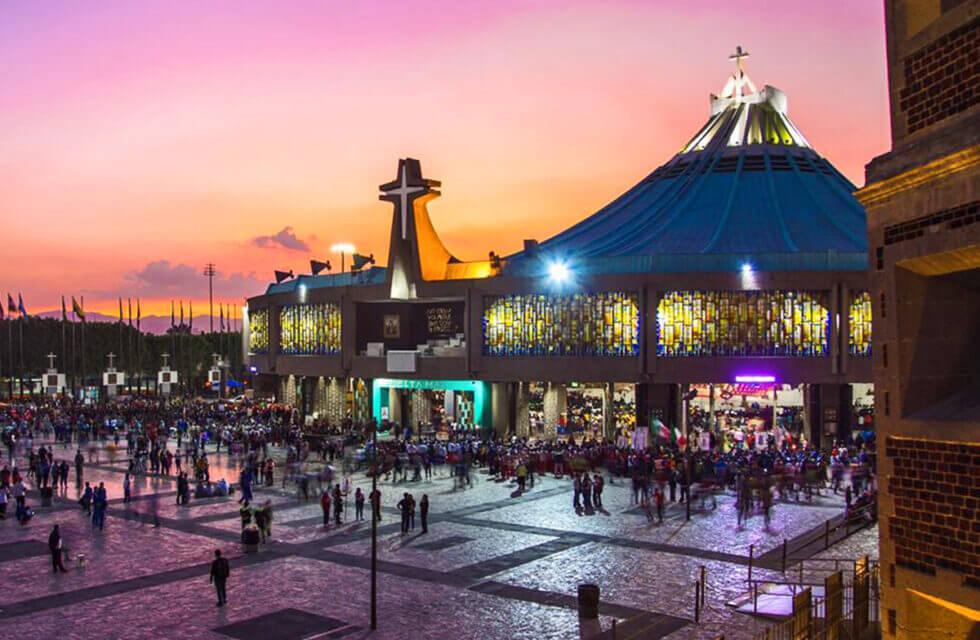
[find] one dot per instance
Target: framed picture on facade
(392, 326)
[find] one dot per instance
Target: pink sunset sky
(140, 140)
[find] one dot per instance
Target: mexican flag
(679, 438)
(661, 430)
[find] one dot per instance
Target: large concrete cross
(403, 191)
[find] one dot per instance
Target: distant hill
(148, 324)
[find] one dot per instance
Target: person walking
(424, 512)
(376, 504)
(79, 465)
(404, 506)
(220, 570)
(338, 503)
(658, 497)
(359, 504)
(325, 505)
(126, 489)
(54, 545)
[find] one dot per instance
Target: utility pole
(210, 273)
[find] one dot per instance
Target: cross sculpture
(112, 358)
(739, 78)
(403, 191)
(738, 56)
(51, 358)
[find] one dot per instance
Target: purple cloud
(160, 278)
(285, 239)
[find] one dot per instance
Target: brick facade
(941, 78)
(936, 519)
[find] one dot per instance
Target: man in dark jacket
(54, 545)
(220, 570)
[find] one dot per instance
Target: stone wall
(941, 78)
(936, 519)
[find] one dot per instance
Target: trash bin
(588, 601)
(47, 495)
(250, 539)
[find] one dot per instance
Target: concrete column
(335, 400)
(555, 404)
(522, 402)
(500, 408)
(608, 422)
(394, 406)
(319, 405)
(421, 409)
(657, 401)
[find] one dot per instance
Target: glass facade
(258, 331)
(581, 324)
(310, 329)
(743, 323)
(859, 321)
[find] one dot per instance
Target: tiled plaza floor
(491, 566)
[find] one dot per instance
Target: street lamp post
(374, 529)
(343, 248)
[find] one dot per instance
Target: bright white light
(302, 293)
(754, 379)
(558, 271)
(343, 247)
(748, 277)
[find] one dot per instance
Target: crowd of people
(661, 473)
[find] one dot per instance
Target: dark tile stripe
(87, 594)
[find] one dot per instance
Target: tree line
(136, 352)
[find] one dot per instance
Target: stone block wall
(936, 521)
(941, 78)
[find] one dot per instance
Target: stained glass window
(743, 323)
(859, 320)
(581, 324)
(258, 331)
(310, 329)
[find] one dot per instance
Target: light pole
(343, 248)
(374, 529)
(210, 273)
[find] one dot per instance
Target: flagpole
(10, 351)
(74, 355)
(64, 318)
(20, 324)
(83, 349)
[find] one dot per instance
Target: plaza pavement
(491, 566)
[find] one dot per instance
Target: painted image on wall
(392, 327)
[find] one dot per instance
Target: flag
(172, 322)
(662, 430)
(679, 438)
(129, 302)
(137, 314)
(78, 309)
(20, 307)
(64, 312)
(221, 311)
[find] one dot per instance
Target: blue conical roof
(748, 188)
